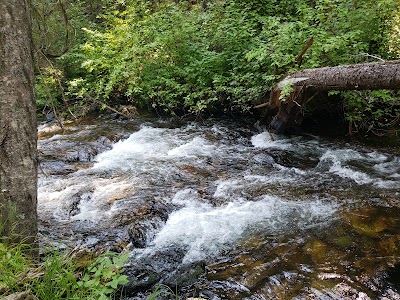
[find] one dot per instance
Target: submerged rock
(140, 279)
(324, 255)
(246, 218)
(185, 275)
(56, 168)
(369, 222)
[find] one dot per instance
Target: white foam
(389, 167)
(346, 172)
(195, 148)
(225, 188)
(97, 206)
(151, 145)
(290, 170)
(377, 157)
(388, 184)
(147, 143)
(263, 140)
(228, 188)
(187, 197)
(273, 178)
(51, 192)
(204, 231)
(336, 158)
(343, 155)
(79, 197)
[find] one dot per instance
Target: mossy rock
(390, 246)
(323, 253)
(368, 222)
(185, 275)
(317, 250)
(231, 269)
(343, 241)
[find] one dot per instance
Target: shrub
(58, 275)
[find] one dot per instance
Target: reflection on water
(224, 211)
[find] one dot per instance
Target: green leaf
(120, 261)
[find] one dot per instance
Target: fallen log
(293, 92)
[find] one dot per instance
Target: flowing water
(222, 210)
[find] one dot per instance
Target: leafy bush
(343, 31)
(215, 56)
(59, 276)
(373, 111)
(48, 90)
(172, 58)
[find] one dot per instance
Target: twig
(370, 55)
(296, 103)
(303, 51)
(270, 134)
(262, 105)
(51, 100)
(107, 106)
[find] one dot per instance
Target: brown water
(220, 210)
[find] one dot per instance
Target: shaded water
(220, 210)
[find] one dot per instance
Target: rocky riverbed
(223, 210)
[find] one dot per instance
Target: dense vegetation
(179, 57)
(75, 275)
(59, 276)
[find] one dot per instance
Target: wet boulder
(69, 150)
(185, 275)
(321, 253)
(140, 278)
(56, 168)
(140, 232)
(70, 202)
(86, 152)
(368, 222)
(82, 154)
(145, 219)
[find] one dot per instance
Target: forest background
(189, 58)
(206, 56)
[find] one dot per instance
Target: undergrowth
(60, 275)
(205, 57)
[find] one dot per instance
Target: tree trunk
(306, 83)
(18, 129)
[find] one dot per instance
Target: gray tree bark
(18, 128)
(367, 76)
(305, 83)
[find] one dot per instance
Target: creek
(220, 210)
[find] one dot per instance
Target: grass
(60, 275)
(163, 290)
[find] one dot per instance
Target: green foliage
(13, 262)
(342, 31)
(394, 35)
(287, 89)
(8, 213)
(207, 56)
(56, 30)
(372, 110)
(59, 276)
(104, 275)
(47, 87)
(162, 290)
(172, 58)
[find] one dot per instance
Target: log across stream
(306, 84)
(218, 210)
